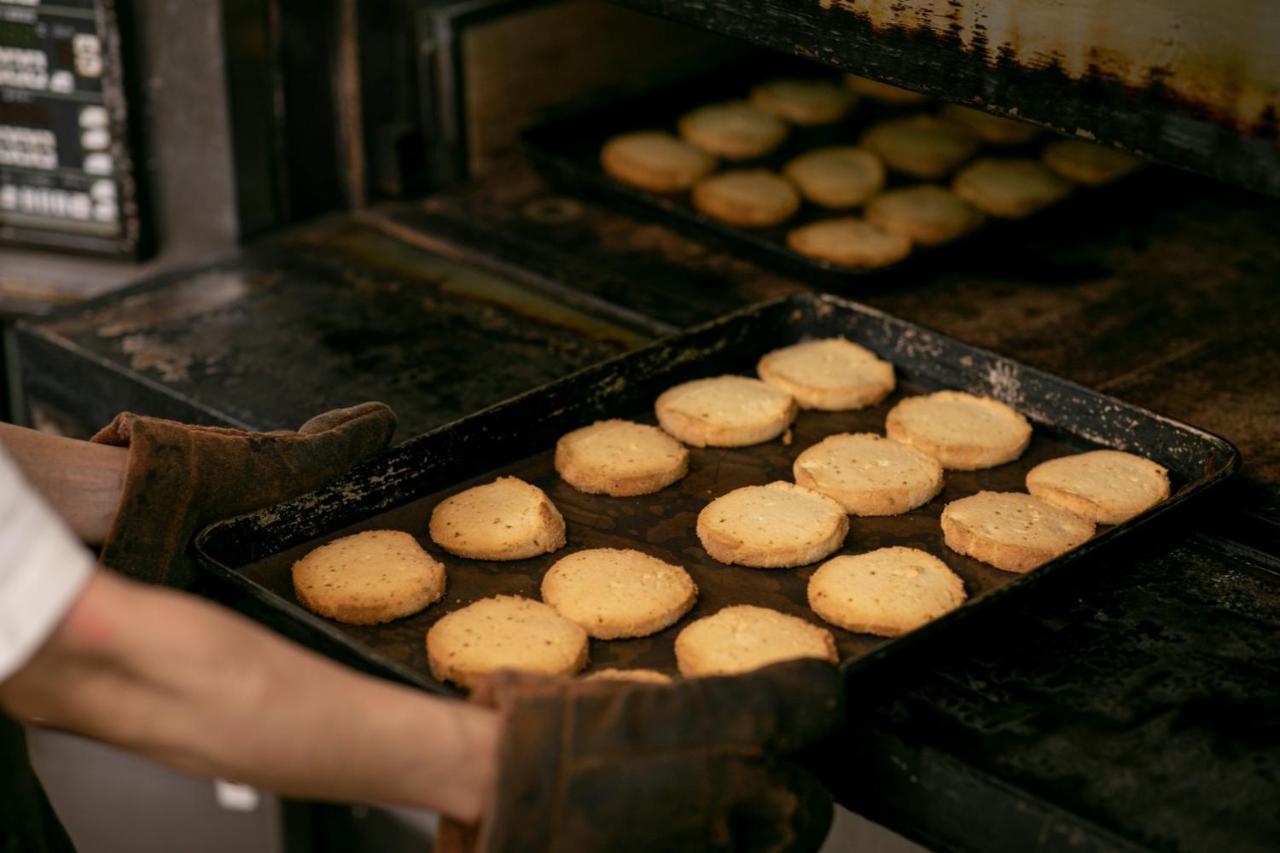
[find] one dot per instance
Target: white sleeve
(42, 569)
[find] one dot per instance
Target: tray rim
(381, 664)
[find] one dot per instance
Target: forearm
(81, 481)
(180, 680)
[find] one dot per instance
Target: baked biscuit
(749, 198)
(883, 92)
(1104, 486)
(725, 411)
(620, 458)
(868, 474)
(1086, 162)
(1010, 530)
(838, 176)
(831, 374)
(368, 578)
(656, 161)
(849, 242)
(886, 592)
(504, 632)
(734, 130)
(773, 526)
(923, 146)
(992, 128)
(926, 214)
(615, 592)
(805, 102)
(742, 638)
(644, 676)
(961, 431)
(507, 519)
(1010, 188)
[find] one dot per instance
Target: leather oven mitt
(181, 478)
(621, 766)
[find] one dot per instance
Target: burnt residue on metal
(400, 489)
(1154, 105)
(326, 316)
(1145, 700)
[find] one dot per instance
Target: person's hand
(181, 478)
(700, 764)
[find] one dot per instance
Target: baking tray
(399, 489)
(567, 147)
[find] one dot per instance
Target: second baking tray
(399, 489)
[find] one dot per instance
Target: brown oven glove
(180, 478)
(618, 766)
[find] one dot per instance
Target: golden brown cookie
(886, 592)
(742, 638)
(507, 519)
(368, 578)
(1087, 163)
(836, 177)
(618, 592)
(734, 130)
(992, 128)
(504, 632)
(926, 214)
(1010, 188)
(869, 474)
(644, 676)
(749, 198)
(849, 242)
(656, 161)
(831, 374)
(883, 92)
(773, 526)
(1104, 486)
(1012, 531)
(806, 102)
(960, 430)
(620, 458)
(922, 146)
(725, 411)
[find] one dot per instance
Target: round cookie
(368, 578)
(643, 676)
(992, 129)
(725, 411)
(734, 130)
(804, 102)
(1010, 530)
(886, 592)
(1010, 188)
(961, 431)
(1104, 486)
(743, 638)
(614, 592)
(923, 146)
(831, 374)
(507, 519)
(926, 214)
(773, 526)
(655, 160)
(1086, 162)
(849, 242)
(883, 92)
(837, 176)
(868, 474)
(620, 458)
(750, 198)
(504, 632)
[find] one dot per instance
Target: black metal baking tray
(567, 147)
(399, 489)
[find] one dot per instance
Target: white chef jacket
(43, 568)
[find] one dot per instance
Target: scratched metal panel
(1186, 82)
